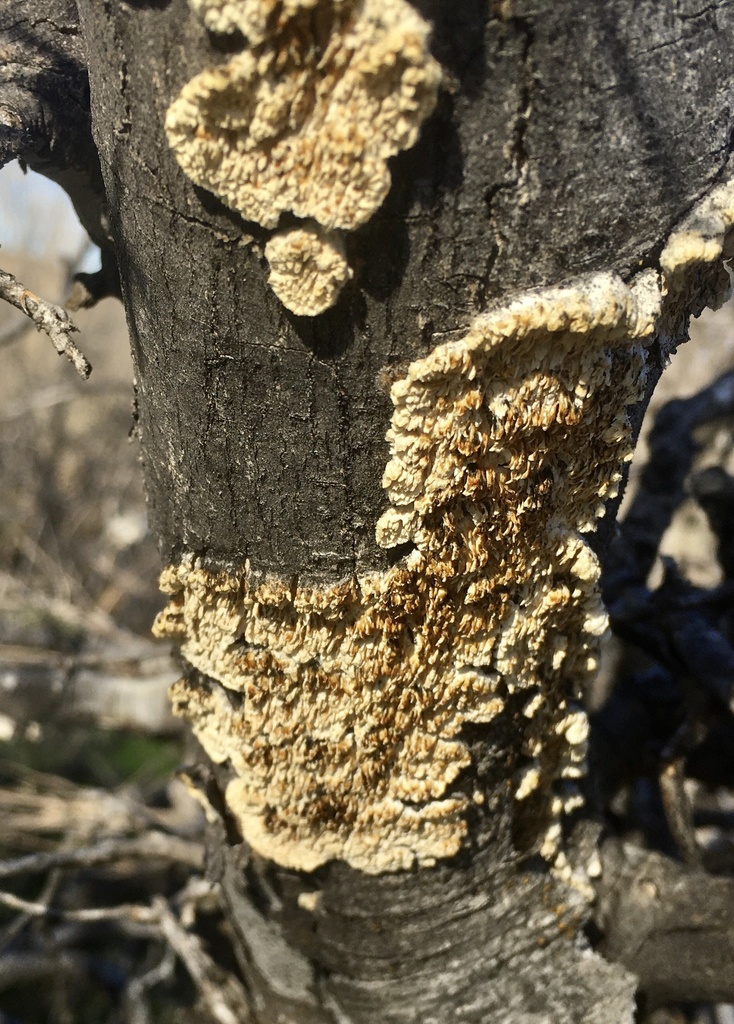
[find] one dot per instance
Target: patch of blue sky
(37, 218)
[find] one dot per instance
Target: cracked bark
(563, 144)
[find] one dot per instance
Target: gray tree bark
(568, 140)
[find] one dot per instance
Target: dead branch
(140, 985)
(221, 993)
(125, 690)
(670, 926)
(49, 318)
(149, 845)
(224, 996)
(126, 912)
(678, 812)
(17, 925)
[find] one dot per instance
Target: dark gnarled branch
(670, 926)
(45, 118)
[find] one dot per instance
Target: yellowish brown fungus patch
(346, 705)
(307, 125)
(700, 240)
(255, 19)
(305, 120)
(308, 269)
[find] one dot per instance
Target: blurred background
(87, 744)
(72, 514)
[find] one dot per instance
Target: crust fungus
(308, 269)
(346, 738)
(305, 120)
(255, 19)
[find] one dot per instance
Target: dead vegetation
(101, 849)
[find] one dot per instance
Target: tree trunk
(386, 666)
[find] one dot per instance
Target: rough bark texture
(568, 143)
(568, 138)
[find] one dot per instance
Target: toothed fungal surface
(340, 709)
(308, 269)
(306, 119)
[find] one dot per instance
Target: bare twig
(139, 986)
(678, 811)
(149, 845)
(195, 891)
(222, 993)
(17, 925)
(132, 912)
(47, 317)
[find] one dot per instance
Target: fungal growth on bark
(305, 119)
(253, 18)
(701, 240)
(308, 268)
(340, 709)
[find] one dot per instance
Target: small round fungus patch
(308, 269)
